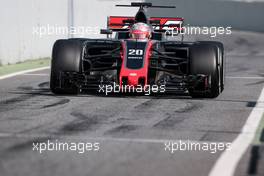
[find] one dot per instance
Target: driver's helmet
(140, 31)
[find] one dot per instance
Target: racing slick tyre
(221, 60)
(66, 57)
(204, 60)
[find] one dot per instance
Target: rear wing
(160, 24)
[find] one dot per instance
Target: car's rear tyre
(66, 57)
(204, 60)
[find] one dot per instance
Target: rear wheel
(66, 56)
(204, 60)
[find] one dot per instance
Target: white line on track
(35, 74)
(111, 139)
(22, 72)
(229, 159)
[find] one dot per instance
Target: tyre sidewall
(204, 60)
(66, 57)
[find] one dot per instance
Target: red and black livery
(81, 64)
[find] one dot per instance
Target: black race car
(138, 55)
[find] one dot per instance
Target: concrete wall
(18, 39)
(239, 14)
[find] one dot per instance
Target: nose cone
(130, 79)
(135, 63)
(133, 79)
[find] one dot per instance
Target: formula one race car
(138, 55)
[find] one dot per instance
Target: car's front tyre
(204, 60)
(66, 57)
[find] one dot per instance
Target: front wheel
(66, 57)
(204, 61)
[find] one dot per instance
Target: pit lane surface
(131, 130)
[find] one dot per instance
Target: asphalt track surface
(131, 130)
